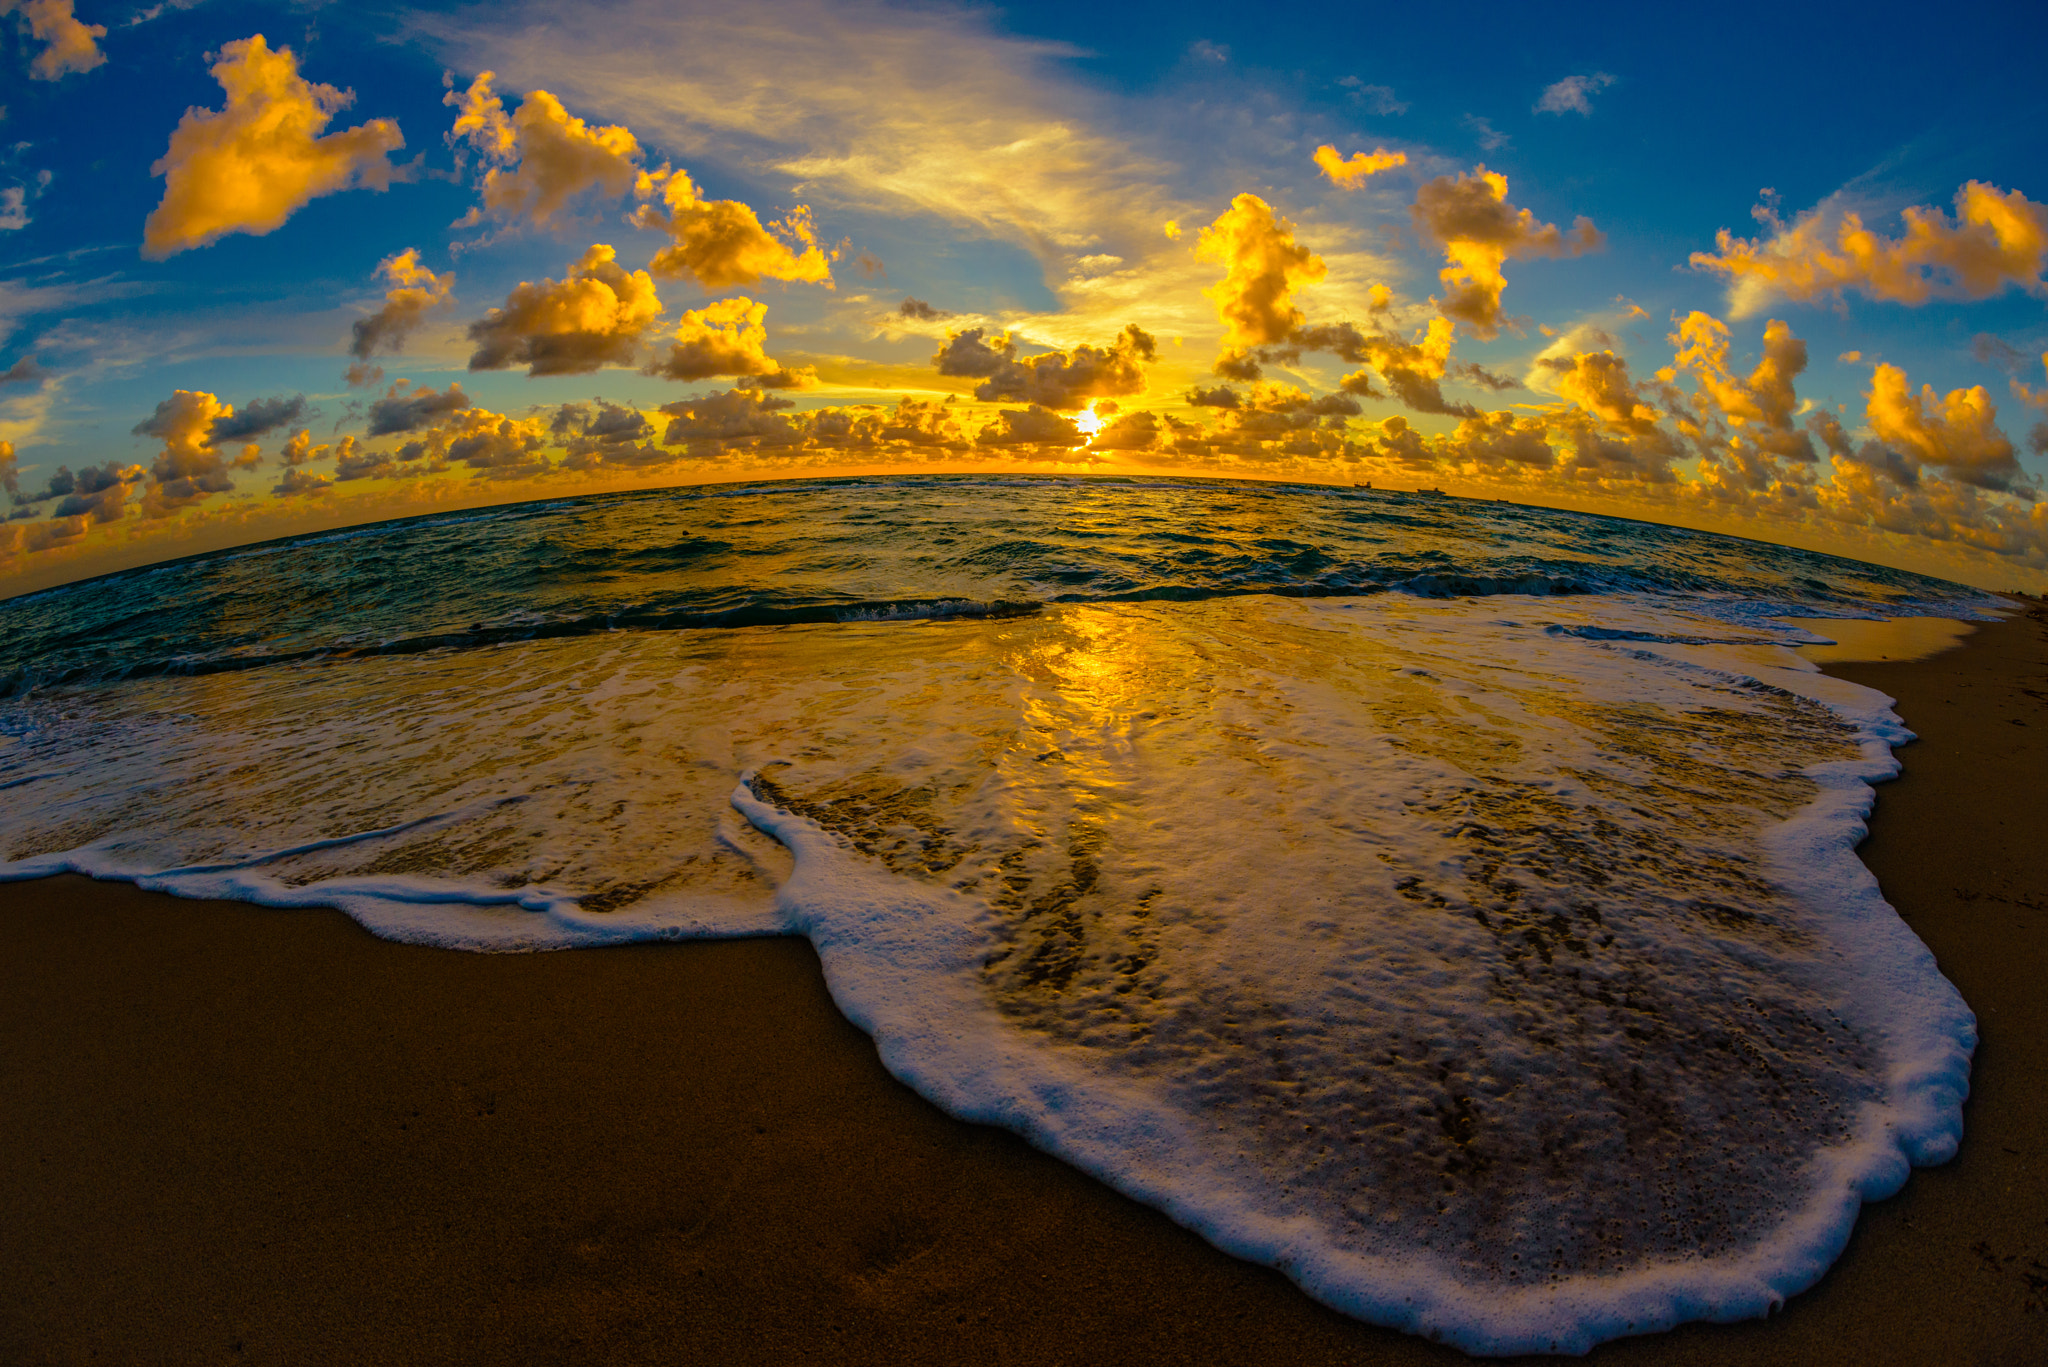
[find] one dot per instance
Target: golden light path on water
(1500, 968)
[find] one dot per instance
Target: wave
(1510, 982)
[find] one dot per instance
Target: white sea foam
(1501, 970)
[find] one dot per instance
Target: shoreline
(240, 1134)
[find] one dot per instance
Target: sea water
(1451, 904)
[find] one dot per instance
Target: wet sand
(238, 1135)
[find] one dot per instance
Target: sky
(268, 269)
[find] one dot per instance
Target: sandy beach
(235, 1134)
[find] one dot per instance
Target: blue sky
(1016, 169)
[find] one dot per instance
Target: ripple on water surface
(1500, 969)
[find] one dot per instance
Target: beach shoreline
(241, 1134)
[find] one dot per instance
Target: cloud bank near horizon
(1348, 319)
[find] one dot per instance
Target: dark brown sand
(238, 1135)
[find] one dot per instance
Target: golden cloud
(451, 432)
(491, 444)
(1957, 433)
(1139, 431)
(1863, 496)
(190, 466)
(725, 337)
(1413, 370)
(1036, 426)
(1503, 439)
(68, 44)
(251, 165)
(1469, 216)
(1362, 165)
(1054, 379)
(541, 156)
(721, 243)
(1263, 267)
(414, 292)
(598, 315)
(1996, 240)
(1599, 382)
(747, 416)
(1765, 401)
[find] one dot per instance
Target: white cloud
(1491, 139)
(1569, 95)
(1380, 99)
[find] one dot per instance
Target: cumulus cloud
(451, 433)
(1469, 216)
(1263, 267)
(1362, 166)
(1765, 402)
(256, 418)
(249, 166)
(1995, 241)
(296, 482)
(597, 315)
(353, 462)
(1052, 379)
(735, 415)
(413, 293)
(405, 408)
(1138, 431)
(491, 444)
(725, 337)
(190, 466)
(13, 209)
(1033, 426)
(1568, 96)
(68, 45)
(1502, 440)
(920, 311)
(1272, 408)
(1957, 433)
(721, 243)
(602, 424)
(1599, 382)
(539, 157)
(1413, 370)
(95, 495)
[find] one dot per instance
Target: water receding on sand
(1499, 968)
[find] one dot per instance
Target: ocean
(1450, 903)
